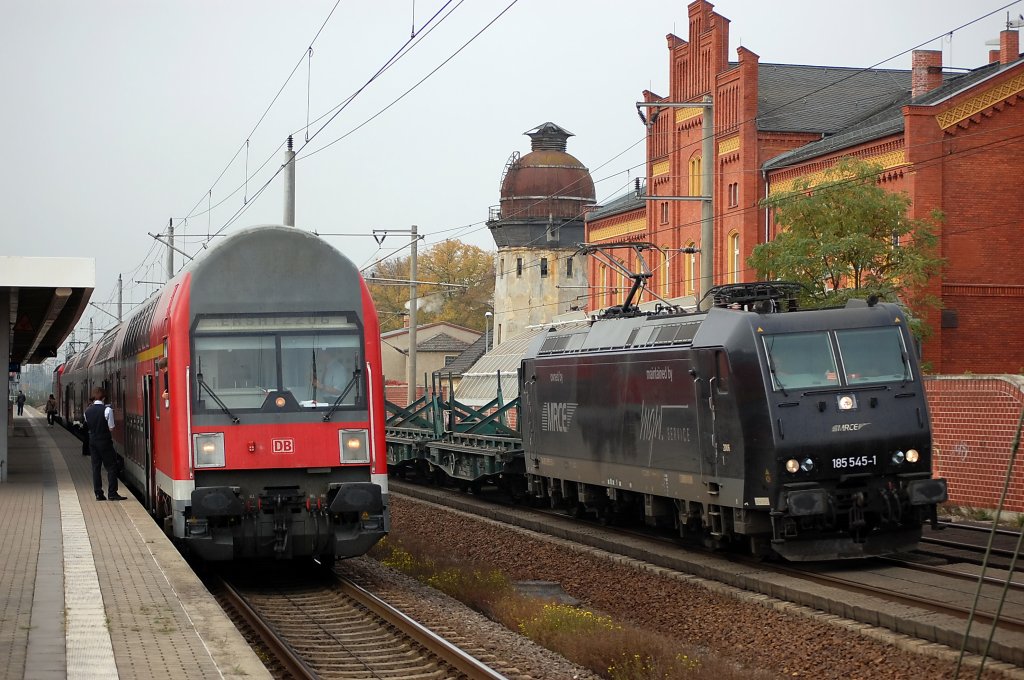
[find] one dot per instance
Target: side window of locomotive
(800, 360)
(873, 355)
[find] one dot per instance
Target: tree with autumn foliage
(847, 237)
(451, 262)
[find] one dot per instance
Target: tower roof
(548, 136)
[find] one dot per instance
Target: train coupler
(280, 534)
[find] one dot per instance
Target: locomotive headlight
(913, 456)
(792, 466)
(354, 448)
(847, 402)
(898, 457)
(208, 449)
(280, 402)
(807, 465)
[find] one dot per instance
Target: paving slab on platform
(92, 589)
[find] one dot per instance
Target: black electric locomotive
(803, 433)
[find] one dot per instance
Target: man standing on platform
(21, 403)
(99, 421)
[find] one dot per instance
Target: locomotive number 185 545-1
(853, 462)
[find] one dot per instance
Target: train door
(527, 404)
(704, 389)
(148, 402)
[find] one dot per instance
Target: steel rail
(976, 528)
(1009, 623)
(281, 650)
(470, 667)
(946, 571)
(969, 547)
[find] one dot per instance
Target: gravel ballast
(750, 631)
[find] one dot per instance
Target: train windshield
(801, 360)
(866, 355)
(319, 368)
(240, 361)
(239, 370)
(872, 355)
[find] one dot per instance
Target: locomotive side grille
(675, 334)
(556, 344)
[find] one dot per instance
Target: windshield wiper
(771, 369)
(906, 368)
(341, 397)
(209, 390)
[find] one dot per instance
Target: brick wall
(974, 419)
(399, 393)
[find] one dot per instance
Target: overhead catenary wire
(415, 38)
(408, 44)
(305, 56)
(794, 100)
(266, 111)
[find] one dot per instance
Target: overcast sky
(120, 115)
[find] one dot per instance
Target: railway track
(317, 624)
(967, 543)
(911, 589)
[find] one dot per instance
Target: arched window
(734, 258)
(695, 176)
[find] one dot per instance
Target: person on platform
(51, 410)
(99, 422)
(20, 401)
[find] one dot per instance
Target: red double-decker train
(248, 401)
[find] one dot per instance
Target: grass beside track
(612, 649)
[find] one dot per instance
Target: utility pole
(120, 292)
(707, 211)
(170, 249)
(289, 185)
(413, 304)
(707, 160)
(410, 374)
(92, 331)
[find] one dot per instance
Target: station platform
(92, 589)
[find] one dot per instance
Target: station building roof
(46, 297)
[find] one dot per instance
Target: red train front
(248, 399)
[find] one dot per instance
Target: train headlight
(898, 457)
(208, 449)
(847, 402)
(792, 466)
(807, 465)
(354, 446)
(913, 456)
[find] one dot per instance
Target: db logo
(282, 445)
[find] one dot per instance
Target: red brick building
(953, 142)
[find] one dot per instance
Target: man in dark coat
(99, 422)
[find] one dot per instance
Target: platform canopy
(46, 297)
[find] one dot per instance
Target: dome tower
(537, 228)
